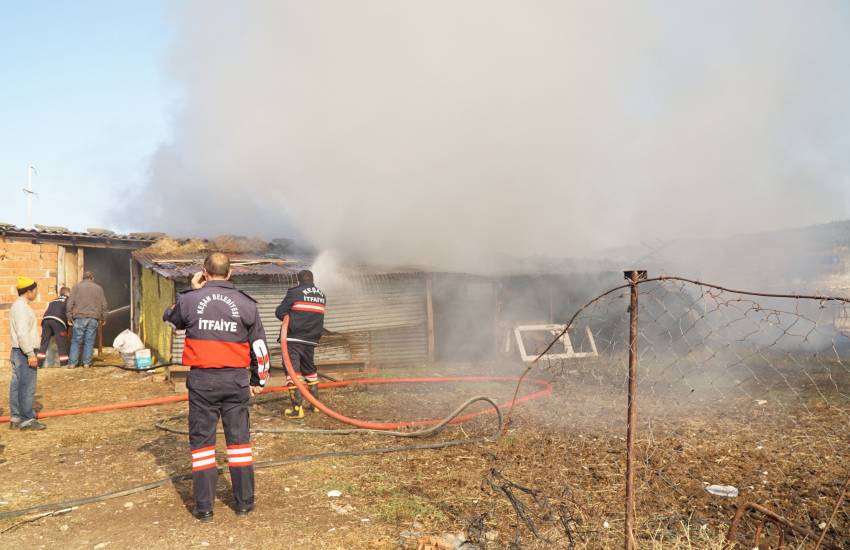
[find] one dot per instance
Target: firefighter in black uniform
(225, 346)
(305, 305)
(55, 325)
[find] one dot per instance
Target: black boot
(295, 410)
(314, 391)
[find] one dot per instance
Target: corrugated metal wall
(380, 321)
(157, 293)
(391, 310)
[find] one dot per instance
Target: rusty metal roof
(92, 237)
(242, 265)
(181, 266)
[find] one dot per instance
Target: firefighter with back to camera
(305, 305)
(226, 350)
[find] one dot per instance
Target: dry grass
(554, 447)
(230, 244)
(239, 245)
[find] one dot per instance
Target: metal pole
(633, 277)
(29, 196)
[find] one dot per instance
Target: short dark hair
(217, 264)
(64, 291)
(22, 291)
(88, 275)
(305, 277)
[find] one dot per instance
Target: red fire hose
(545, 389)
(302, 388)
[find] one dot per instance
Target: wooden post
(99, 339)
(429, 312)
(633, 277)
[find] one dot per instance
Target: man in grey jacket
(86, 308)
(23, 329)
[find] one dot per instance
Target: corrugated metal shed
(375, 319)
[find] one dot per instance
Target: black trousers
(51, 328)
(301, 357)
(213, 394)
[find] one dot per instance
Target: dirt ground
(561, 461)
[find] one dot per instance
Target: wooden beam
(60, 268)
(429, 312)
(134, 306)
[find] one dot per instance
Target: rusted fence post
(633, 277)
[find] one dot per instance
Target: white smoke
(330, 270)
(455, 133)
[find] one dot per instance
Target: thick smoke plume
(455, 134)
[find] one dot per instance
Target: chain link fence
(742, 427)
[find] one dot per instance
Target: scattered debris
(445, 542)
(407, 539)
(536, 514)
(38, 517)
(342, 510)
(334, 493)
(726, 491)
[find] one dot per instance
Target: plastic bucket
(143, 359)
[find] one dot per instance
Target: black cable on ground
(257, 466)
(134, 369)
(324, 376)
(163, 365)
(432, 430)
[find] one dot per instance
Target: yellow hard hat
(25, 283)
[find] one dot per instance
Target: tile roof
(91, 236)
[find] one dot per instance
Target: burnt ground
(788, 452)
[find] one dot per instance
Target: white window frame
(554, 330)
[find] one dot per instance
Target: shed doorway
(111, 268)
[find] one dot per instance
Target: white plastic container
(143, 359)
(726, 491)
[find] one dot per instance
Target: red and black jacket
(305, 305)
(223, 329)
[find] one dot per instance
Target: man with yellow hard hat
(25, 342)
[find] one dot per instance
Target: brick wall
(21, 258)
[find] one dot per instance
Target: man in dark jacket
(225, 346)
(54, 324)
(86, 308)
(305, 304)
